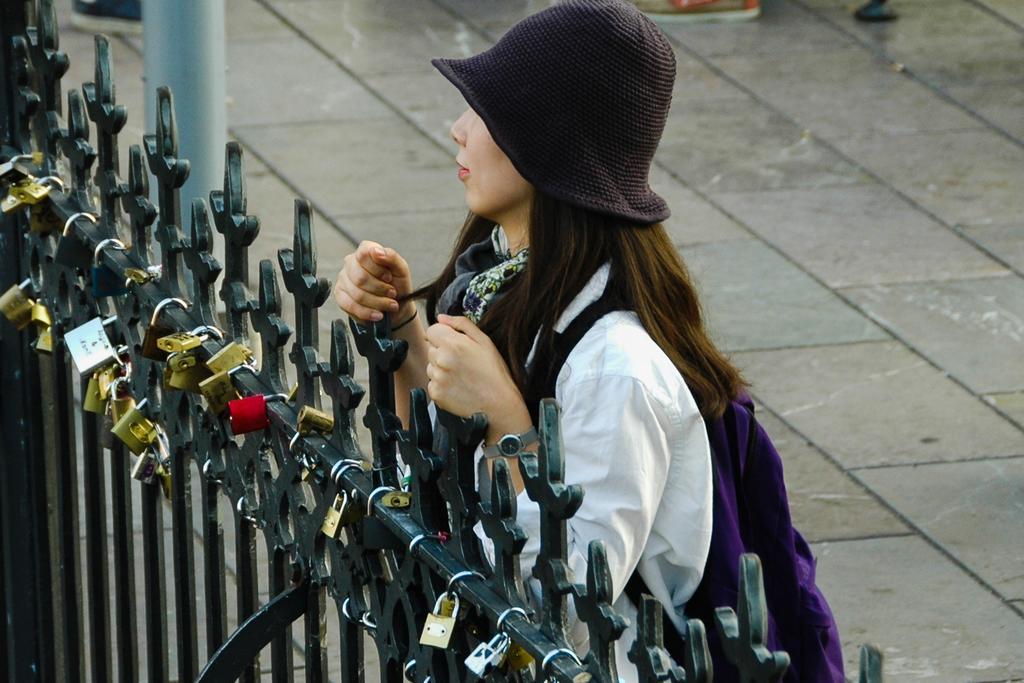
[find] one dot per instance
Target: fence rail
(132, 372)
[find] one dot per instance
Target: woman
(565, 113)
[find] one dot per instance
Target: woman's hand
(466, 373)
(371, 281)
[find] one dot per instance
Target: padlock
(135, 429)
(72, 251)
(440, 624)
(139, 276)
(186, 372)
(157, 329)
(145, 466)
(119, 400)
(249, 413)
(313, 421)
(179, 342)
(517, 658)
(229, 357)
(41, 315)
(26, 192)
(93, 400)
(105, 282)
(16, 305)
(13, 170)
(89, 345)
(332, 520)
(396, 499)
(218, 390)
(163, 474)
(488, 656)
(44, 342)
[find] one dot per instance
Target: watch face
(509, 445)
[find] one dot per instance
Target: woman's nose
(457, 130)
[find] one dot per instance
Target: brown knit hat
(577, 96)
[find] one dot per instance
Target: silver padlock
(486, 657)
(89, 346)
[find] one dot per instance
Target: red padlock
(249, 414)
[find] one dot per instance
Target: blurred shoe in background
(699, 10)
(107, 16)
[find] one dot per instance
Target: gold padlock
(218, 390)
(25, 192)
(186, 373)
(332, 520)
(311, 421)
(139, 276)
(16, 305)
(164, 475)
(157, 330)
(44, 342)
(179, 342)
(396, 499)
(105, 378)
(94, 401)
(230, 357)
(119, 405)
(440, 624)
(517, 658)
(136, 430)
(41, 314)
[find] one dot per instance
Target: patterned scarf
(481, 272)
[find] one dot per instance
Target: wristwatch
(511, 445)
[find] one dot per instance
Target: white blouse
(635, 441)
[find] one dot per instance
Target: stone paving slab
(999, 103)
(877, 404)
(971, 508)
(379, 163)
(1005, 241)
(925, 614)
(859, 235)
(836, 93)
(259, 96)
(946, 42)
(969, 176)
(694, 220)
(735, 145)
(972, 328)
(1011, 404)
(825, 503)
(755, 299)
(356, 32)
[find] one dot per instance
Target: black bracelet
(403, 324)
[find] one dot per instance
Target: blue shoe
(107, 16)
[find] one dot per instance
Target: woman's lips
(463, 172)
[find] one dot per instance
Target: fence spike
(135, 202)
(171, 173)
(498, 517)
(273, 330)
(109, 118)
(594, 607)
(74, 145)
(240, 230)
(203, 266)
(744, 632)
(544, 476)
(298, 268)
(870, 664)
(648, 651)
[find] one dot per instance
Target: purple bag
(750, 513)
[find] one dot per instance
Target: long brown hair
(567, 245)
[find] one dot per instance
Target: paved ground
(849, 199)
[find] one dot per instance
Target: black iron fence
(128, 381)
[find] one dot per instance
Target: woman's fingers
(363, 305)
(364, 257)
(366, 281)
